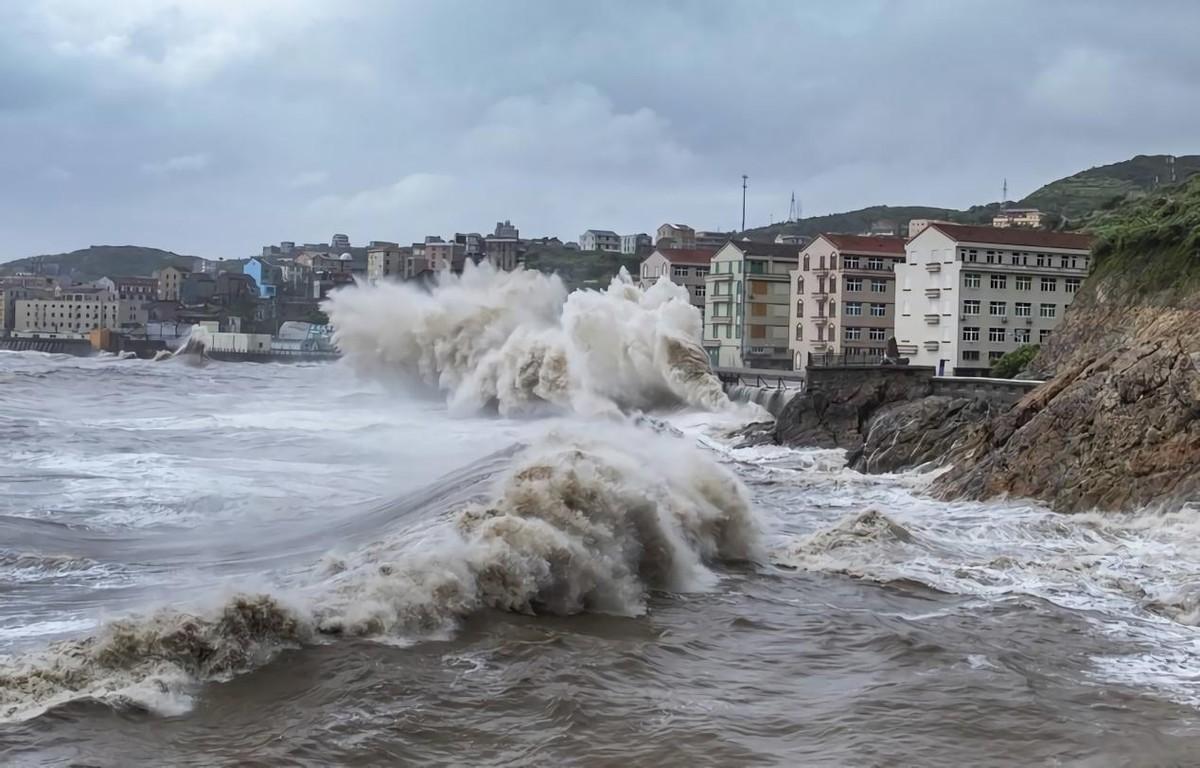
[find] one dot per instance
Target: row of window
(1020, 258)
(1000, 308)
(856, 308)
(854, 284)
(1019, 335)
(1022, 282)
(848, 262)
(874, 334)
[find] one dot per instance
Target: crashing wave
(579, 523)
(196, 344)
(517, 342)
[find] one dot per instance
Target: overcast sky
(212, 127)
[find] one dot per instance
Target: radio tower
(793, 210)
(1004, 195)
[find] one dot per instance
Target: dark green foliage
(857, 222)
(99, 261)
(1014, 362)
(581, 269)
(1108, 186)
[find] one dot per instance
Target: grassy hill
(1106, 186)
(98, 261)
(580, 269)
(859, 221)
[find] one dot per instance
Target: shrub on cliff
(1014, 362)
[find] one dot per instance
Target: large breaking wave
(590, 518)
(516, 341)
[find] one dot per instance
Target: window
(1024, 283)
(972, 255)
(875, 263)
(970, 334)
(850, 262)
(853, 283)
(971, 279)
(877, 334)
(701, 291)
(679, 271)
(1023, 309)
(854, 308)
(996, 334)
(1043, 260)
(701, 271)
(799, 331)
(999, 282)
(970, 354)
(1049, 285)
(879, 286)
(992, 257)
(806, 263)
(1071, 284)
(994, 355)
(998, 308)
(799, 309)
(853, 334)
(1048, 310)
(1043, 335)
(878, 310)
(971, 307)
(1021, 335)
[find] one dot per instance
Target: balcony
(907, 349)
(931, 346)
(933, 293)
(933, 266)
(932, 319)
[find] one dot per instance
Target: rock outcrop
(838, 415)
(924, 432)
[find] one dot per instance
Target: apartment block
(843, 296)
(969, 295)
(675, 236)
(636, 244)
(746, 305)
(686, 267)
(712, 241)
(76, 312)
(386, 262)
(600, 240)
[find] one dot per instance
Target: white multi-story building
(843, 296)
(967, 295)
(712, 241)
(76, 312)
(686, 267)
(600, 240)
(1018, 217)
(635, 244)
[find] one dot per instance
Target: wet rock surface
(917, 433)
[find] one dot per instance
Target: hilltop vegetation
(1106, 186)
(580, 269)
(98, 261)
(861, 220)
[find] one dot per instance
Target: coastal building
(169, 280)
(967, 295)
(76, 312)
(386, 262)
(712, 241)
(916, 226)
(10, 294)
(339, 242)
(675, 236)
(441, 256)
(233, 287)
(197, 288)
(843, 296)
(135, 288)
(503, 247)
(472, 243)
(265, 275)
(686, 267)
(600, 240)
(792, 239)
(746, 305)
(636, 244)
(1018, 217)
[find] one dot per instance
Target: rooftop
(686, 255)
(868, 244)
(768, 250)
(1034, 238)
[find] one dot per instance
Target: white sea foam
(590, 518)
(517, 342)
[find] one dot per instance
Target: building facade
(675, 236)
(635, 244)
(78, 312)
(969, 295)
(746, 305)
(503, 247)
(688, 268)
(843, 296)
(600, 240)
(169, 281)
(386, 262)
(1019, 217)
(265, 275)
(712, 241)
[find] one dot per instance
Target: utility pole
(1004, 196)
(744, 177)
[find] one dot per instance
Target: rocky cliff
(1118, 426)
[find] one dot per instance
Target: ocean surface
(280, 565)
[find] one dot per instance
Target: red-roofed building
(685, 266)
(843, 296)
(968, 295)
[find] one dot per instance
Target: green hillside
(98, 261)
(861, 220)
(1108, 185)
(580, 269)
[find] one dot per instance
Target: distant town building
(688, 268)
(197, 288)
(265, 276)
(635, 244)
(76, 312)
(843, 295)
(442, 256)
(170, 280)
(503, 247)
(916, 226)
(600, 240)
(968, 295)
(506, 229)
(232, 287)
(882, 228)
(1019, 217)
(675, 236)
(712, 241)
(386, 262)
(792, 239)
(472, 243)
(339, 242)
(18, 290)
(746, 305)
(135, 288)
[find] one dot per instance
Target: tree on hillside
(1014, 362)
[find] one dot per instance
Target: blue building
(264, 274)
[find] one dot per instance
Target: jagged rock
(921, 432)
(837, 416)
(1121, 431)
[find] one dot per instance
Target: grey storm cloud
(213, 126)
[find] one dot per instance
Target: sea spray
(592, 517)
(516, 341)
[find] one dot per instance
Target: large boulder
(918, 433)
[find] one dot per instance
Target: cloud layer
(213, 126)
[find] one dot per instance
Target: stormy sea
(512, 527)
